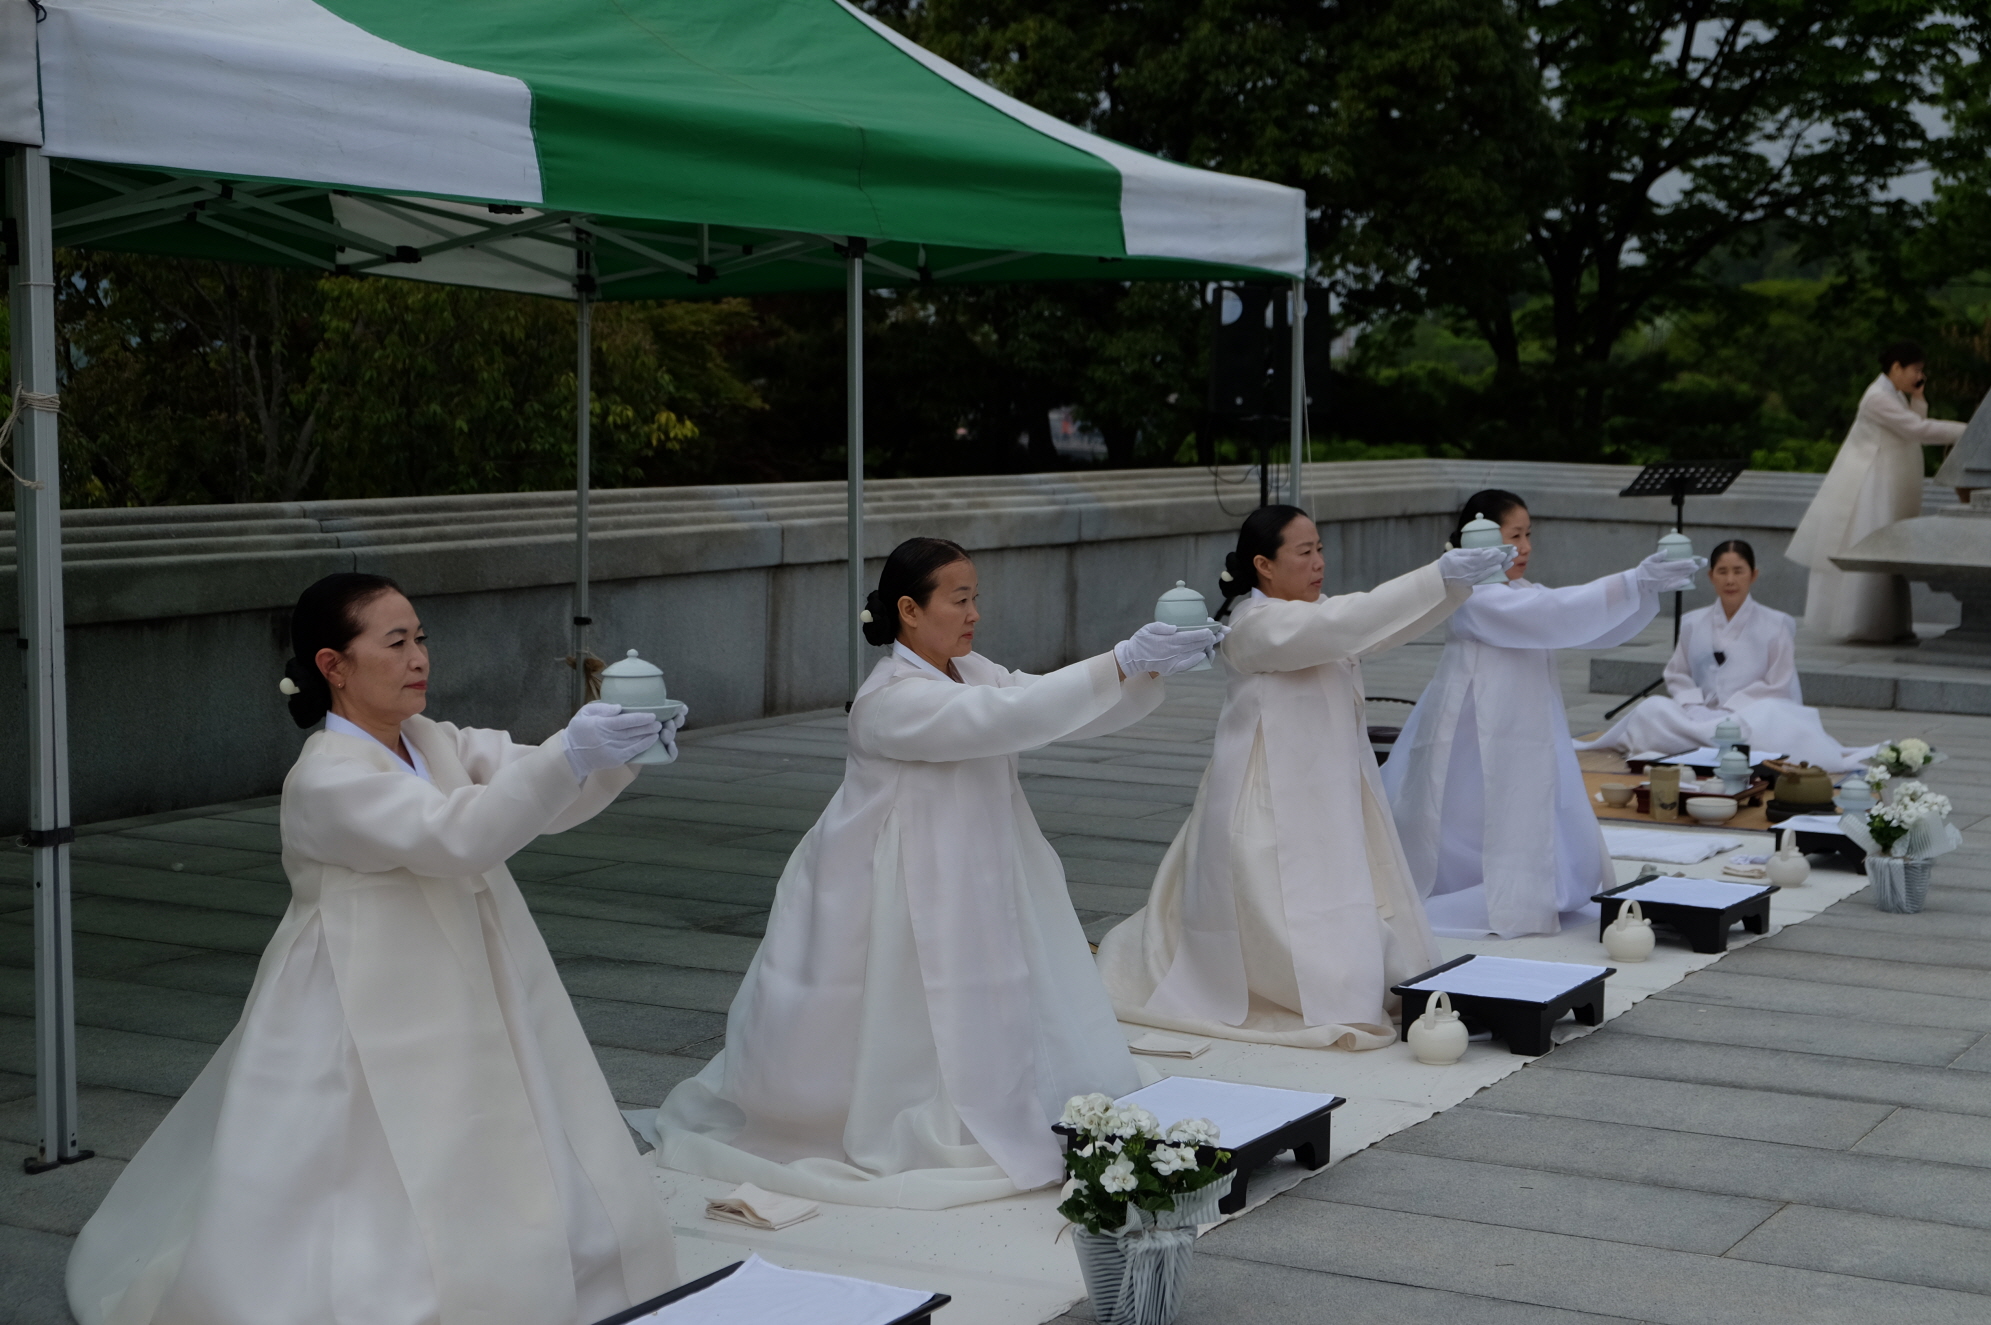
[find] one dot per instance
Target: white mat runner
(1005, 1261)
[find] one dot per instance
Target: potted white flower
(1136, 1194)
(1902, 836)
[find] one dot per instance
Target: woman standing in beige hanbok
(1283, 910)
(1875, 481)
(407, 1126)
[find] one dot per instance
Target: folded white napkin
(749, 1205)
(1156, 1045)
(1679, 848)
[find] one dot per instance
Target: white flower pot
(1136, 1275)
(1899, 886)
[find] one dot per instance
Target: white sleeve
(1887, 409)
(1281, 635)
(352, 814)
(1680, 677)
(935, 721)
(1779, 678)
(1598, 615)
(484, 751)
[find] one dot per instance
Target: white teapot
(639, 686)
(1629, 938)
(1788, 868)
(1439, 1036)
(1185, 609)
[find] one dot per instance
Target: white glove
(1663, 575)
(1160, 647)
(602, 736)
(669, 735)
(1470, 565)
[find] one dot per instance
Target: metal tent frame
(558, 253)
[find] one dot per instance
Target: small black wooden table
(1524, 1023)
(1705, 928)
(920, 1315)
(1306, 1135)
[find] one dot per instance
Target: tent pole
(854, 484)
(38, 553)
(583, 462)
(1298, 316)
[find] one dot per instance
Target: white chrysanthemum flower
(1877, 774)
(1119, 1176)
(1914, 751)
(1174, 1159)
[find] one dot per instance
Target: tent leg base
(37, 1164)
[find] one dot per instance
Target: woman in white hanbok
(1496, 822)
(1736, 659)
(924, 1001)
(1284, 911)
(407, 1126)
(1875, 481)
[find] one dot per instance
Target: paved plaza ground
(1799, 1133)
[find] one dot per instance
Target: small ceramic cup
(1616, 793)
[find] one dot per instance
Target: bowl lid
(1182, 593)
(632, 666)
(1479, 532)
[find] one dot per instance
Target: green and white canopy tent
(578, 149)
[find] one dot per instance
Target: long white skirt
(1137, 954)
(1457, 906)
(269, 1196)
(1772, 726)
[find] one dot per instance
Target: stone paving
(1800, 1133)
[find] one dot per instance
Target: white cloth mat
(769, 1295)
(1242, 1113)
(1157, 1045)
(1668, 848)
(1812, 823)
(1693, 892)
(1706, 757)
(749, 1205)
(1511, 977)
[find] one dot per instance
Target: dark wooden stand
(1704, 927)
(1523, 1025)
(920, 1315)
(1306, 1136)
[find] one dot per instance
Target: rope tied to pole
(48, 403)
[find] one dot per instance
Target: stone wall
(179, 616)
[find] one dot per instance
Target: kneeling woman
(1484, 784)
(924, 1001)
(407, 1126)
(1283, 910)
(1736, 659)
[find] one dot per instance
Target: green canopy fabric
(708, 150)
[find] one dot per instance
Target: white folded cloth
(1156, 1045)
(749, 1205)
(1688, 848)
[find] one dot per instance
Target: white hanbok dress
(924, 1001)
(1495, 820)
(1875, 481)
(407, 1126)
(1742, 667)
(1284, 909)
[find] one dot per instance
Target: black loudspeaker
(1251, 359)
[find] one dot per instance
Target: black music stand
(1678, 479)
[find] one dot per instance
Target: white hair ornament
(289, 687)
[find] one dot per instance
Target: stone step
(1921, 688)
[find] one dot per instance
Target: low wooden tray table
(1705, 927)
(920, 1315)
(1523, 1021)
(1274, 1121)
